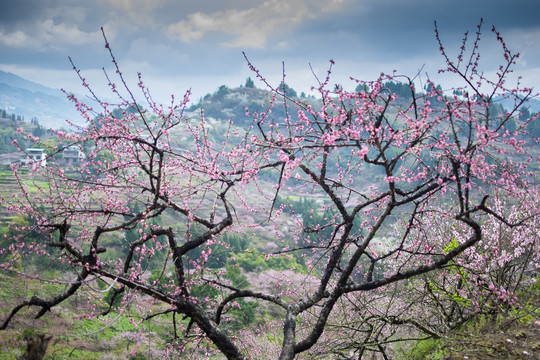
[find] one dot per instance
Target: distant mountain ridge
(17, 81)
(51, 106)
(30, 99)
(532, 104)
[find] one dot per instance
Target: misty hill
(227, 103)
(532, 104)
(29, 99)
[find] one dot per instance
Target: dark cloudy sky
(180, 44)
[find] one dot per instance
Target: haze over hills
(29, 99)
(51, 106)
(533, 104)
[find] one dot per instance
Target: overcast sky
(198, 45)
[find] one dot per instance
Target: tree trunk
(36, 347)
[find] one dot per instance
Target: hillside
(259, 252)
(27, 98)
(227, 103)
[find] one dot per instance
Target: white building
(36, 155)
(72, 156)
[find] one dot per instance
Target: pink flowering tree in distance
(403, 191)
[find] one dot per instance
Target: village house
(72, 156)
(36, 155)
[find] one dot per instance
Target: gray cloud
(251, 27)
(181, 40)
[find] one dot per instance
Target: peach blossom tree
(387, 174)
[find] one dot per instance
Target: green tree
(510, 125)
(244, 311)
(249, 83)
(287, 90)
(251, 261)
(222, 92)
(234, 274)
(524, 114)
(534, 126)
(285, 262)
(402, 90)
(361, 88)
(429, 88)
